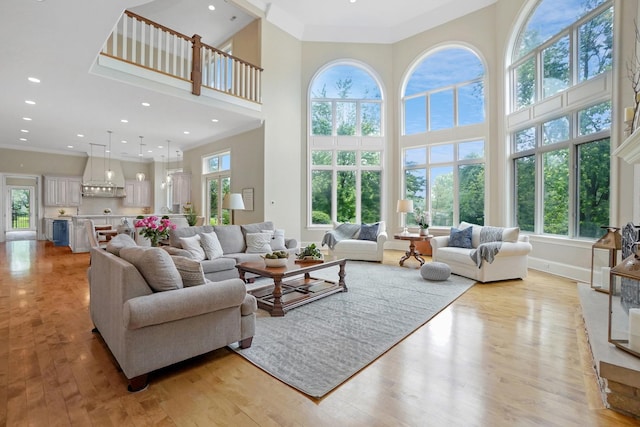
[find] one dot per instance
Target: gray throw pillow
(155, 265)
(460, 238)
(211, 245)
(369, 232)
(118, 242)
(190, 271)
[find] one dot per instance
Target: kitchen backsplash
(95, 206)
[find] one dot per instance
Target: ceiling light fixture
(211, 7)
(215, 120)
(124, 121)
(146, 104)
(163, 183)
(80, 135)
(69, 146)
(23, 139)
(186, 132)
(30, 102)
(27, 119)
(140, 175)
(24, 131)
(109, 172)
(33, 80)
(168, 162)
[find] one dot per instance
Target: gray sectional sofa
(233, 240)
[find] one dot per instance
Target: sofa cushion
(509, 234)
(231, 238)
(192, 244)
(155, 265)
(258, 243)
(369, 232)
(190, 271)
(174, 235)
(257, 227)
(120, 241)
(218, 264)
(460, 238)
(211, 245)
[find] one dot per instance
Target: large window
(445, 91)
(216, 172)
(346, 146)
(560, 153)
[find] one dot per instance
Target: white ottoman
(436, 271)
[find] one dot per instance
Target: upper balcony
(149, 54)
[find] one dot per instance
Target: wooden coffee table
(296, 291)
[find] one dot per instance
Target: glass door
(21, 213)
(217, 188)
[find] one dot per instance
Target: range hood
(94, 179)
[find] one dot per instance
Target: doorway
(21, 213)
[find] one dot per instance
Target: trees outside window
(346, 146)
(561, 164)
(216, 171)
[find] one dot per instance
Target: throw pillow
(211, 245)
(460, 238)
(190, 271)
(118, 242)
(155, 265)
(192, 244)
(511, 234)
(258, 243)
(369, 232)
(277, 239)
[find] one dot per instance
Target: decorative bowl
(275, 262)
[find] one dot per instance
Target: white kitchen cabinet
(62, 191)
(181, 193)
(138, 194)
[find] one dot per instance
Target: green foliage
(318, 217)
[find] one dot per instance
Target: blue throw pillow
(460, 238)
(369, 232)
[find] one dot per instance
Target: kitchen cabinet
(181, 193)
(62, 191)
(138, 194)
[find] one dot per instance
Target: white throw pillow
(277, 239)
(192, 245)
(258, 243)
(211, 245)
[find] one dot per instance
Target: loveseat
(509, 262)
(150, 316)
(362, 242)
(228, 245)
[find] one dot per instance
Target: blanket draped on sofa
(490, 244)
(341, 232)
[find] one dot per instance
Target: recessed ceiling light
(30, 102)
(212, 7)
(34, 80)
(24, 131)
(160, 146)
(186, 132)
(149, 151)
(215, 120)
(124, 121)
(124, 141)
(69, 146)
(80, 135)
(27, 119)
(352, 1)
(23, 139)
(146, 104)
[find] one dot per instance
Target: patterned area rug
(316, 347)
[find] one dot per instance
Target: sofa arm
(439, 242)
(508, 249)
(162, 307)
(177, 251)
(382, 237)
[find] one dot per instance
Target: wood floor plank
(510, 353)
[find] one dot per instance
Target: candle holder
(612, 243)
(624, 304)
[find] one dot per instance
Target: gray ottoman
(435, 271)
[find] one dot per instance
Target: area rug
(316, 347)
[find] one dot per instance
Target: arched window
(346, 145)
(560, 119)
(443, 98)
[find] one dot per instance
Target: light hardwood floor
(504, 354)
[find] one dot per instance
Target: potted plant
(423, 218)
(190, 214)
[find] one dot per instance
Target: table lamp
(232, 201)
(405, 206)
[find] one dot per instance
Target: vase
(424, 231)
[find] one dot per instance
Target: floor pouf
(435, 271)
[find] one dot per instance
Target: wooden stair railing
(144, 43)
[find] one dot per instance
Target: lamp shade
(232, 201)
(405, 205)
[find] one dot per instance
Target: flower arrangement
(107, 211)
(154, 228)
(423, 218)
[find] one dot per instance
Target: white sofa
(361, 250)
(509, 263)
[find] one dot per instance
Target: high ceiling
(58, 41)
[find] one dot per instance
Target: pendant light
(163, 183)
(140, 175)
(168, 162)
(109, 173)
